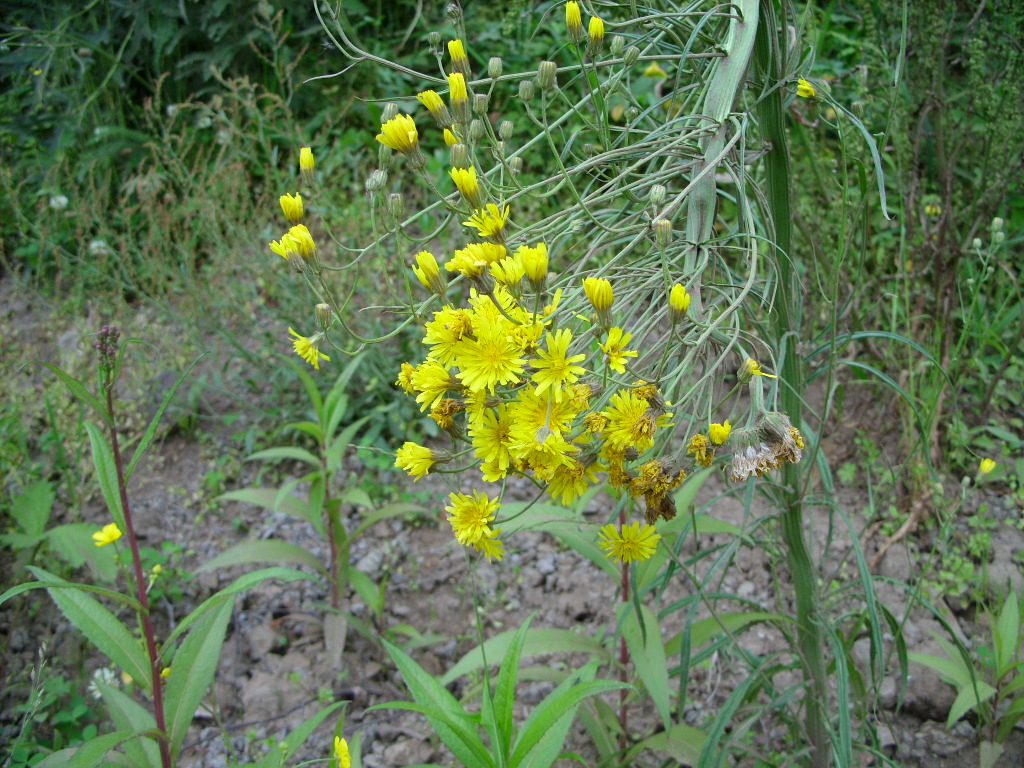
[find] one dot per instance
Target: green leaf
(989, 753)
(1007, 634)
(543, 734)
(648, 654)
(266, 551)
(455, 730)
(505, 690)
(78, 390)
(278, 500)
(395, 509)
(31, 508)
(966, 700)
(424, 688)
(682, 742)
(29, 585)
(286, 452)
(953, 670)
(147, 438)
(192, 672)
(128, 715)
(88, 755)
(538, 640)
(106, 473)
(713, 626)
(102, 628)
(241, 584)
(73, 544)
(298, 737)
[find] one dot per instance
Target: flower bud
(454, 13)
(663, 232)
(574, 22)
(535, 264)
(546, 75)
(617, 45)
(324, 316)
(494, 67)
(998, 238)
(657, 195)
(595, 37)
(477, 132)
(385, 157)
(306, 164)
(505, 128)
(434, 41)
(429, 274)
(526, 91)
(458, 95)
(997, 224)
(632, 113)
(500, 149)
(976, 244)
(436, 107)
(599, 293)
(377, 180)
(515, 165)
(986, 466)
(458, 154)
(390, 112)
(396, 206)
(291, 205)
(631, 56)
(460, 62)
(480, 104)
(678, 302)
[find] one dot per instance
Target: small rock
(408, 752)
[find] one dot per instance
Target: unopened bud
(663, 232)
(998, 237)
(390, 112)
(976, 244)
(324, 316)
(396, 206)
(515, 165)
(526, 90)
(434, 41)
(505, 128)
(632, 113)
(459, 156)
(480, 104)
(385, 157)
(591, 150)
(477, 131)
(657, 195)
(376, 181)
(857, 107)
(546, 75)
(494, 67)
(500, 148)
(617, 45)
(997, 224)
(631, 56)
(453, 12)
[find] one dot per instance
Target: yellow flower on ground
(306, 163)
(556, 371)
(400, 134)
(489, 221)
(469, 516)
(415, 459)
(720, 432)
(632, 543)
(107, 535)
(805, 90)
(292, 207)
(341, 753)
(614, 349)
(465, 179)
(986, 466)
(599, 293)
(655, 70)
(309, 348)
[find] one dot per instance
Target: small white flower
(204, 121)
(171, 110)
(99, 247)
(102, 675)
(58, 203)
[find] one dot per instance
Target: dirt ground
(274, 671)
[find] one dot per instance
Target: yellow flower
(490, 359)
(306, 246)
(595, 33)
(458, 96)
(556, 371)
(805, 90)
(469, 187)
(986, 466)
(599, 293)
(306, 164)
(341, 753)
(107, 535)
(574, 22)
(292, 207)
(415, 459)
(655, 70)
(678, 301)
(750, 369)
(632, 422)
(490, 545)
(287, 247)
(720, 432)
(473, 260)
(931, 209)
(400, 134)
(632, 543)
(450, 139)
(460, 62)
(308, 348)
(535, 262)
(429, 274)
(437, 108)
(614, 349)
(469, 516)
(165, 672)
(489, 221)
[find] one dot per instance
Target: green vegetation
(760, 258)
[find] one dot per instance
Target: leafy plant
(988, 681)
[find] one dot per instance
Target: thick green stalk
(771, 47)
